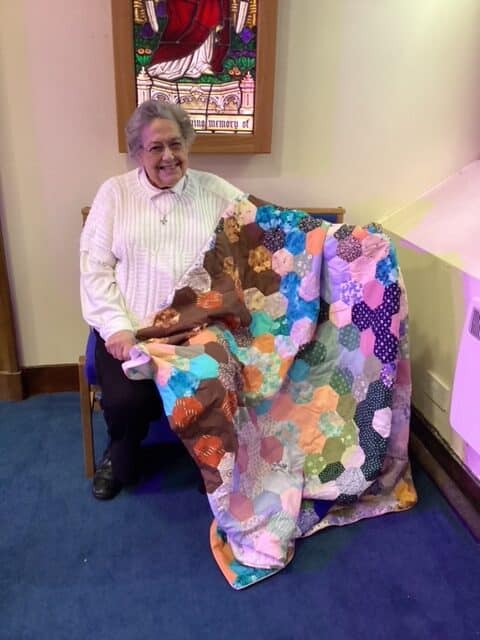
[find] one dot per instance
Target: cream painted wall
(438, 252)
(375, 101)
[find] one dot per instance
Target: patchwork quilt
(282, 363)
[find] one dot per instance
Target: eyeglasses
(158, 149)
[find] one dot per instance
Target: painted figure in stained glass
(195, 40)
(202, 54)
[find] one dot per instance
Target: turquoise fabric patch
(261, 323)
(204, 366)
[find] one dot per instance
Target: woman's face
(164, 153)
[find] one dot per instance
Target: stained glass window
(201, 54)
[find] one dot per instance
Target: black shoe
(105, 487)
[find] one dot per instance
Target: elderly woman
(144, 229)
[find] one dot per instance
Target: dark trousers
(128, 407)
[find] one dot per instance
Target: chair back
(331, 214)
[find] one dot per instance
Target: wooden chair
(90, 392)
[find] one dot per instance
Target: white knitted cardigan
(139, 240)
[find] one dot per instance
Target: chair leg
(86, 410)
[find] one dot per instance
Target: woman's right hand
(119, 344)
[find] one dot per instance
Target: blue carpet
(139, 567)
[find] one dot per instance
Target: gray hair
(148, 111)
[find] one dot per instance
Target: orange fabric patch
(252, 377)
(324, 399)
(229, 405)
(185, 411)
(203, 337)
(210, 300)
(359, 233)
(160, 349)
(310, 439)
(284, 367)
(209, 450)
(314, 241)
(222, 553)
(405, 494)
(265, 343)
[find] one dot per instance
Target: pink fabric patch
(302, 331)
(340, 314)
(363, 269)
(382, 421)
(163, 373)
(291, 499)
(271, 449)
(285, 346)
(367, 342)
(309, 287)
(375, 247)
(403, 372)
(283, 406)
(240, 507)
(395, 325)
(373, 293)
(268, 544)
(282, 262)
(242, 458)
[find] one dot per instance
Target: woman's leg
(128, 407)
